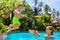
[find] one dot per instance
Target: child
(15, 21)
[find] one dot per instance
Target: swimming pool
(29, 36)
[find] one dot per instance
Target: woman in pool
(49, 31)
(15, 21)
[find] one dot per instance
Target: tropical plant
(46, 8)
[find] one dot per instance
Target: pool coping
(2, 36)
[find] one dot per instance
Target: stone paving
(2, 36)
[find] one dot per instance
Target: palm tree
(40, 5)
(58, 14)
(46, 8)
(54, 12)
(28, 8)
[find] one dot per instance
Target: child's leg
(9, 28)
(13, 27)
(16, 26)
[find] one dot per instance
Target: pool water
(29, 36)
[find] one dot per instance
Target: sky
(52, 3)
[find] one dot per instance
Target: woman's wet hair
(50, 28)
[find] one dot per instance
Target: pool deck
(2, 36)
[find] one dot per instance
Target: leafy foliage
(7, 7)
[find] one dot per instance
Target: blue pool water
(29, 36)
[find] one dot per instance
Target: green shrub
(3, 27)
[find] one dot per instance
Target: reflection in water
(49, 38)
